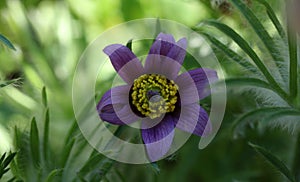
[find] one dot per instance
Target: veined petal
(195, 83)
(114, 106)
(124, 61)
(158, 139)
(178, 51)
(158, 64)
(194, 119)
(163, 53)
(163, 44)
(148, 123)
(165, 37)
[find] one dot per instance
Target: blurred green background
(50, 36)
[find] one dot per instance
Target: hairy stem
(296, 160)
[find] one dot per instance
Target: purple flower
(156, 95)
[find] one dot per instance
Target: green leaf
(261, 32)
(12, 179)
(22, 165)
(2, 157)
(105, 167)
(8, 159)
(8, 82)
(66, 152)
(296, 159)
(282, 113)
(5, 161)
(158, 29)
(249, 82)
(52, 174)
(252, 115)
(34, 142)
(274, 161)
(273, 18)
(293, 81)
(6, 42)
(91, 164)
(96, 167)
(71, 133)
(231, 54)
(44, 97)
(247, 48)
(154, 166)
(81, 144)
(46, 135)
(129, 44)
(121, 177)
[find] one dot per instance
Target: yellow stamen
(162, 100)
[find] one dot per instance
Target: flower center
(154, 95)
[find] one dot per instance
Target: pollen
(154, 95)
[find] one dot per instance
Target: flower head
(156, 94)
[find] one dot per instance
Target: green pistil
(154, 95)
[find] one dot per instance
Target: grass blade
(6, 42)
(34, 142)
(261, 32)
(46, 135)
(246, 47)
(44, 97)
(231, 54)
(274, 161)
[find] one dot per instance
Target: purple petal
(165, 48)
(162, 44)
(195, 83)
(124, 61)
(148, 123)
(158, 139)
(194, 119)
(165, 37)
(158, 64)
(178, 51)
(114, 106)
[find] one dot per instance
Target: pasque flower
(156, 95)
